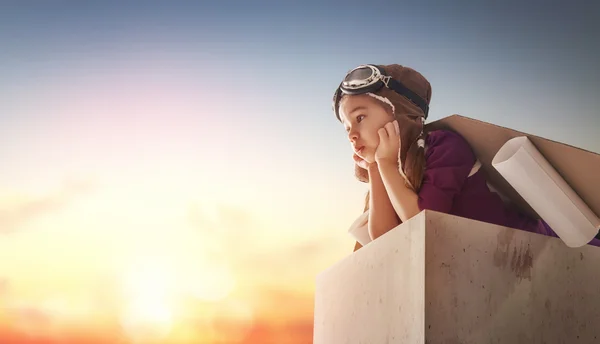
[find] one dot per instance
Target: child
(383, 109)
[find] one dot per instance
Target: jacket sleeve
(448, 162)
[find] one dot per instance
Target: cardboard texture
(578, 167)
(440, 278)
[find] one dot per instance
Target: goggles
(371, 78)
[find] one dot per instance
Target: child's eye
(359, 118)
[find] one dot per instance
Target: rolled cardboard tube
(540, 185)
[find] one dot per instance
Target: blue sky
(529, 66)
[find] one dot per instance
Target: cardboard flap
(578, 167)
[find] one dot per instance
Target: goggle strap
(405, 91)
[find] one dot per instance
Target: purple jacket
(448, 188)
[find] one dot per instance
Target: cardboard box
(578, 167)
(445, 279)
(440, 278)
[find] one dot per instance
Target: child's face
(363, 116)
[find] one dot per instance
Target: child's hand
(389, 144)
(360, 162)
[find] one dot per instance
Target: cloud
(271, 298)
(298, 262)
(272, 315)
(30, 324)
(236, 236)
(240, 230)
(229, 228)
(221, 216)
(11, 217)
(314, 247)
(28, 319)
(30, 316)
(297, 332)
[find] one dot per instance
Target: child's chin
(369, 159)
(366, 157)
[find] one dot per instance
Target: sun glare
(148, 289)
(152, 288)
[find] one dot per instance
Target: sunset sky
(174, 173)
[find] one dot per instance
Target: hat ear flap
(361, 174)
